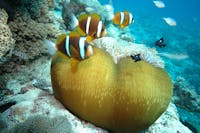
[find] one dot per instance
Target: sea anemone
(126, 96)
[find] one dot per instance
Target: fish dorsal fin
(126, 11)
(74, 34)
(96, 16)
(83, 17)
(117, 13)
(60, 39)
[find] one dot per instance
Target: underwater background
(25, 84)
(183, 38)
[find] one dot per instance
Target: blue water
(183, 38)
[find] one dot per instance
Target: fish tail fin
(74, 21)
(50, 46)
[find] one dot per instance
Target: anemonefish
(89, 25)
(123, 19)
(71, 45)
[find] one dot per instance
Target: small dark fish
(136, 57)
(160, 42)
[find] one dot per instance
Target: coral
(32, 24)
(35, 9)
(119, 48)
(116, 32)
(52, 4)
(6, 40)
(4, 16)
(126, 97)
(29, 37)
(185, 97)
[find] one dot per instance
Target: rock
(168, 123)
(42, 124)
(36, 105)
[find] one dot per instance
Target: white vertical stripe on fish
(130, 18)
(81, 47)
(121, 17)
(87, 25)
(99, 28)
(67, 45)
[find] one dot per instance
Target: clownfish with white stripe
(89, 25)
(123, 19)
(72, 45)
